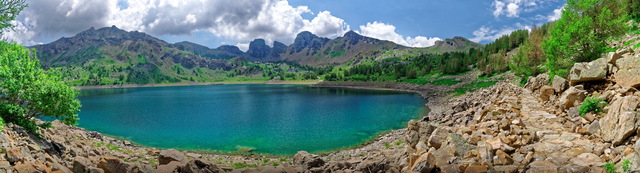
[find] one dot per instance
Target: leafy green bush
(581, 34)
(29, 92)
(610, 167)
(626, 165)
(591, 104)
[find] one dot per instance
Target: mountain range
(115, 56)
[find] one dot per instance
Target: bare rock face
(307, 160)
(169, 155)
(572, 95)
(588, 71)
(621, 121)
(628, 74)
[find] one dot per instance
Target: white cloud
(557, 14)
(243, 46)
(237, 20)
(387, 32)
(513, 8)
(487, 34)
(499, 6)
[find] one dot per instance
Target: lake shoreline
(272, 82)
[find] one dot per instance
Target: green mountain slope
(111, 56)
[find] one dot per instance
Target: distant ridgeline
(111, 56)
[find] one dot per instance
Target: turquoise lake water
(271, 119)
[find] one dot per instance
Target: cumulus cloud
(557, 14)
(238, 20)
(513, 8)
(388, 32)
(485, 33)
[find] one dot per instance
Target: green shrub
(591, 104)
(610, 167)
(626, 165)
(1, 123)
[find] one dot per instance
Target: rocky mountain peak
(306, 39)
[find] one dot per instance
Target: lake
(269, 119)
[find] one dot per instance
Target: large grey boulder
(628, 74)
(588, 71)
(621, 121)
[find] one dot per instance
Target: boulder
(169, 155)
(542, 166)
(621, 121)
(438, 137)
(628, 74)
(546, 92)
(502, 158)
(197, 166)
(559, 84)
(425, 163)
(307, 160)
(112, 164)
(572, 95)
(81, 165)
(173, 166)
(475, 169)
(537, 82)
(587, 159)
(588, 71)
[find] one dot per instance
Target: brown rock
(29, 167)
(307, 160)
(542, 166)
(546, 92)
(573, 152)
(169, 155)
(81, 165)
(171, 167)
(476, 169)
(587, 159)
(537, 82)
(571, 96)
(438, 137)
(620, 121)
(559, 84)
(502, 158)
(112, 164)
(592, 71)
(95, 170)
(198, 166)
(628, 74)
(425, 163)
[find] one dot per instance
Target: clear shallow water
(272, 119)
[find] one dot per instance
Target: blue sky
(415, 23)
